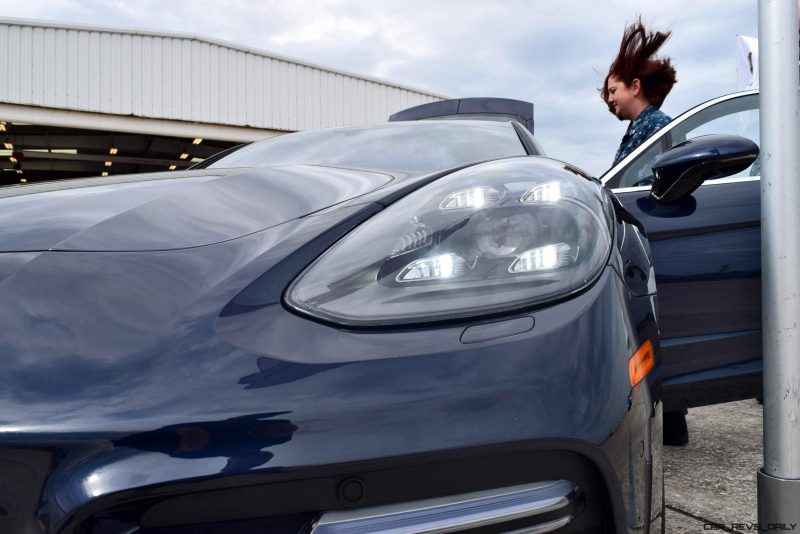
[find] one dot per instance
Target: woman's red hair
(636, 60)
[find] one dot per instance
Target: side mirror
(681, 169)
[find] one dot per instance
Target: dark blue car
(419, 326)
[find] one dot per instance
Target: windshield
(411, 147)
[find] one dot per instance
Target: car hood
(167, 211)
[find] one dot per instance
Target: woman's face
(622, 98)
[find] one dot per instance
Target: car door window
(738, 116)
(734, 117)
(639, 171)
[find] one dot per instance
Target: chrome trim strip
(720, 181)
(679, 119)
(631, 189)
(550, 526)
(458, 512)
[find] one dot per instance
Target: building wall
(184, 77)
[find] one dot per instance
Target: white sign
(746, 62)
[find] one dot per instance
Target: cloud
(554, 54)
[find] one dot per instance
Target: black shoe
(676, 432)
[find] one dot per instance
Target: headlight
(495, 237)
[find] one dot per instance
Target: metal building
(79, 100)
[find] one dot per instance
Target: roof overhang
(129, 124)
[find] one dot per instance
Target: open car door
(707, 255)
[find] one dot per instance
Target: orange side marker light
(641, 363)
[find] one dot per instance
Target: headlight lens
(498, 236)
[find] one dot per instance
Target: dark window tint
(413, 147)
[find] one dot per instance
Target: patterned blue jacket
(649, 121)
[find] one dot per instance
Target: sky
(553, 53)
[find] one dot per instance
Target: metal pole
(779, 479)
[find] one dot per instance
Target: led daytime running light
(546, 258)
(435, 268)
(474, 198)
(547, 192)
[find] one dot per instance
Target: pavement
(711, 482)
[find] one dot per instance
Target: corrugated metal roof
(184, 77)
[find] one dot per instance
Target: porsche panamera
(419, 326)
